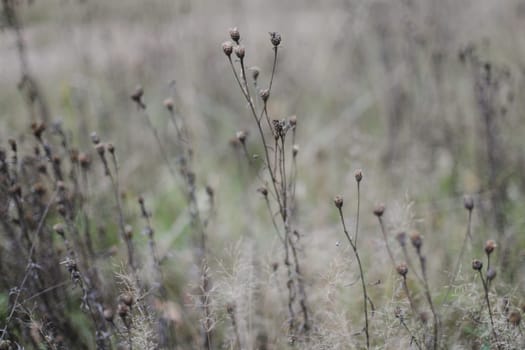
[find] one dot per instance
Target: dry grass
(425, 97)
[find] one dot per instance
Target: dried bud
(514, 317)
(38, 129)
(265, 94)
(417, 240)
(293, 121)
(358, 175)
(122, 310)
(468, 202)
(141, 200)
(295, 150)
(168, 103)
(12, 144)
(255, 72)
(241, 136)
(338, 201)
(235, 35)
(490, 245)
(137, 95)
(230, 308)
(108, 314)
(275, 38)
(128, 231)
(491, 274)
(402, 269)
(477, 264)
(111, 148)
(209, 191)
(39, 189)
(379, 210)
(275, 266)
(227, 48)
(240, 51)
(94, 138)
(127, 299)
(401, 238)
(59, 229)
(263, 191)
(73, 155)
(84, 160)
(100, 148)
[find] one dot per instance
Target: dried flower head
(275, 38)
(108, 314)
(240, 51)
(358, 175)
(514, 317)
(338, 201)
(416, 240)
(490, 245)
(128, 231)
(491, 274)
(111, 148)
(227, 48)
(402, 269)
(295, 150)
(468, 202)
(94, 138)
(255, 72)
(293, 121)
(100, 148)
(137, 94)
(84, 160)
(241, 136)
(168, 103)
(265, 94)
(401, 238)
(477, 264)
(263, 191)
(379, 210)
(235, 35)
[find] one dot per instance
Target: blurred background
(425, 96)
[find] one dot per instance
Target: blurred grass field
(375, 85)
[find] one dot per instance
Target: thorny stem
(361, 273)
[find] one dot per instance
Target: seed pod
(235, 35)
(240, 51)
(477, 264)
(468, 202)
(358, 175)
(137, 95)
(265, 94)
(275, 38)
(227, 48)
(241, 136)
(490, 245)
(402, 269)
(491, 274)
(108, 314)
(168, 103)
(338, 201)
(416, 240)
(401, 238)
(379, 210)
(295, 150)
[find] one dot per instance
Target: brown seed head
(402, 269)
(127, 299)
(240, 51)
(265, 94)
(293, 121)
(210, 191)
(490, 245)
(358, 175)
(468, 202)
(255, 72)
(514, 317)
(84, 160)
(12, 144)
(230, 308)
(137, 94)
(416, 240)
(227, 48)
(338, 201)
(38, 129)
(168, 103)
(100, 148)
(275, 38)
(491, 274)
(122, 310)
(128, 231)
(59, 229)
(379, 210)
(263, 191)
(477, 264)
(94, 138)
(241, 136)
(108, 314)
(111, 148)
(401, 238)
(235, 35)
(295, 150)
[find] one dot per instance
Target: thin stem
(361, 273)
(487, 300)
(422, 262)
(383, 231)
